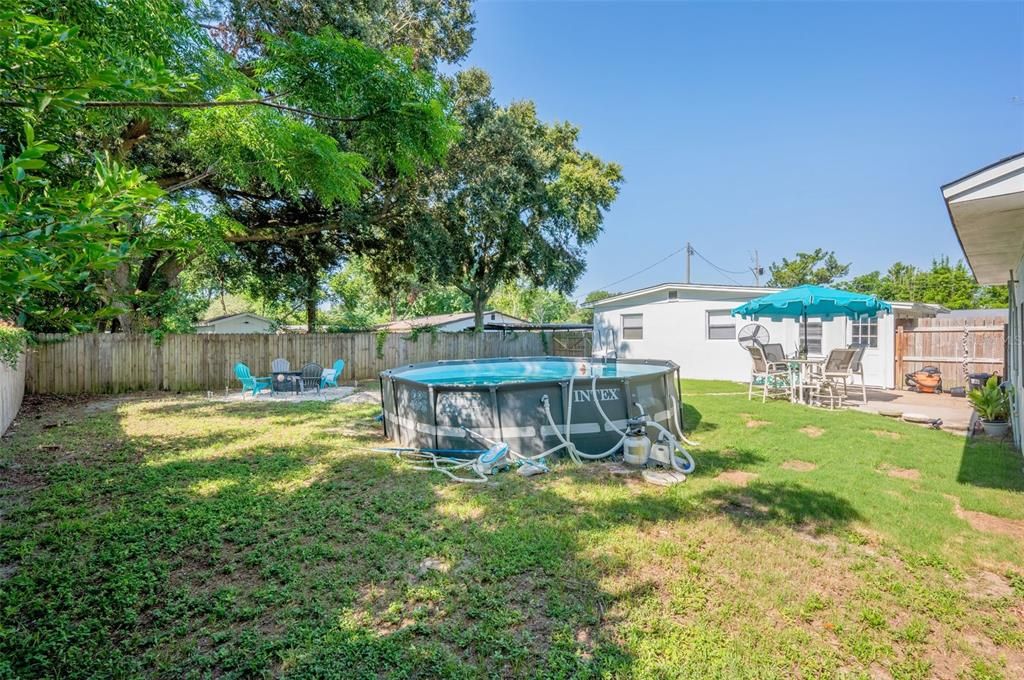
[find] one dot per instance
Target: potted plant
(992, 403)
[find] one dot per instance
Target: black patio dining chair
(311, 374)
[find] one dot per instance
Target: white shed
(691, 324)
(245, 322)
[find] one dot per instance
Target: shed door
(867, 332)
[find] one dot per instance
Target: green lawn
(176, 537)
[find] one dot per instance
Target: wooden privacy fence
(99, 363)
(979, 344)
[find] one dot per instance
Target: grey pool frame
(435, 416)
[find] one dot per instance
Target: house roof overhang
(987, 212)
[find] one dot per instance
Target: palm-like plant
(991, 401)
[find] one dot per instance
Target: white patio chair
(836, 370)
(774, 353)
(279, 365)
(772, 376)
(857, 368)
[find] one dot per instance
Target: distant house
(245, 322)
(451, 323)
(692, 325)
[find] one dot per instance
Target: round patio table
(286, 381)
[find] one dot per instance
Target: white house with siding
(692, 325)
(986, 208)
(246, 322)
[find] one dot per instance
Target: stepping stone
(663, 477)
(890, 412)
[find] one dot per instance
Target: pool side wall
(434, 416)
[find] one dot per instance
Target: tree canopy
(516, 200)
(216, 137)
(819, 267)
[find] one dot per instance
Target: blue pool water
(502, 371)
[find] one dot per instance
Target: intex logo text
(606, 394)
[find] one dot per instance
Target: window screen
(864, 332)
(721, 325)
(632, 326)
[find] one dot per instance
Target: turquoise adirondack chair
(248, 381)
(339, 365)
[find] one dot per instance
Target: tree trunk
(479, 300)
(312, 299)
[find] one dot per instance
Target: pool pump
(636, 446)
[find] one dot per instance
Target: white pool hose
(441, 464)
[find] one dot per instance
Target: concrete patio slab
(955, 412)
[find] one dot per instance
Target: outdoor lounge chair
(771, 376)
(331, 379)
(249, 382)
(311, 375)
(279, 365)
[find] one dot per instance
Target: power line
(645, 269)
(723, 272)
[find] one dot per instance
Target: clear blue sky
(773, 126)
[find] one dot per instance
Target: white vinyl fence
(12, 389)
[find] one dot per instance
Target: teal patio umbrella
(817, 301)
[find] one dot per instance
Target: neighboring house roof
(986, 208)
(436, 320)
(214, 319)
(994, 313)
(918, 309)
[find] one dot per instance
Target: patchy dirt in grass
(799, 466)
(900, 473)
(812, 431)
(982, 521)
(753, 422)
(737, 477)
(985, 584)
(364, 397)
(885, 434)
(434, 564)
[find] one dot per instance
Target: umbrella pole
(807, 350)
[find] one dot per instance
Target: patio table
(286, 381)
(802, 369)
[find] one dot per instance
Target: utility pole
(757, 270)
(689, 249)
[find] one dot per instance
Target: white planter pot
(995, 428)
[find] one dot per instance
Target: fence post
(900, 352)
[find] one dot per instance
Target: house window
(673, 295)
(813, 337)
(632, 326)
(721, 325)
(864, 332)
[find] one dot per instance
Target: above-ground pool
(431, 405)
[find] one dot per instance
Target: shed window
(673, 294)
(721, 325)
(632, 326)
(813, 337)
(864, 332)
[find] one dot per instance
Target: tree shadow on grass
(991, 464)
(309, 559)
